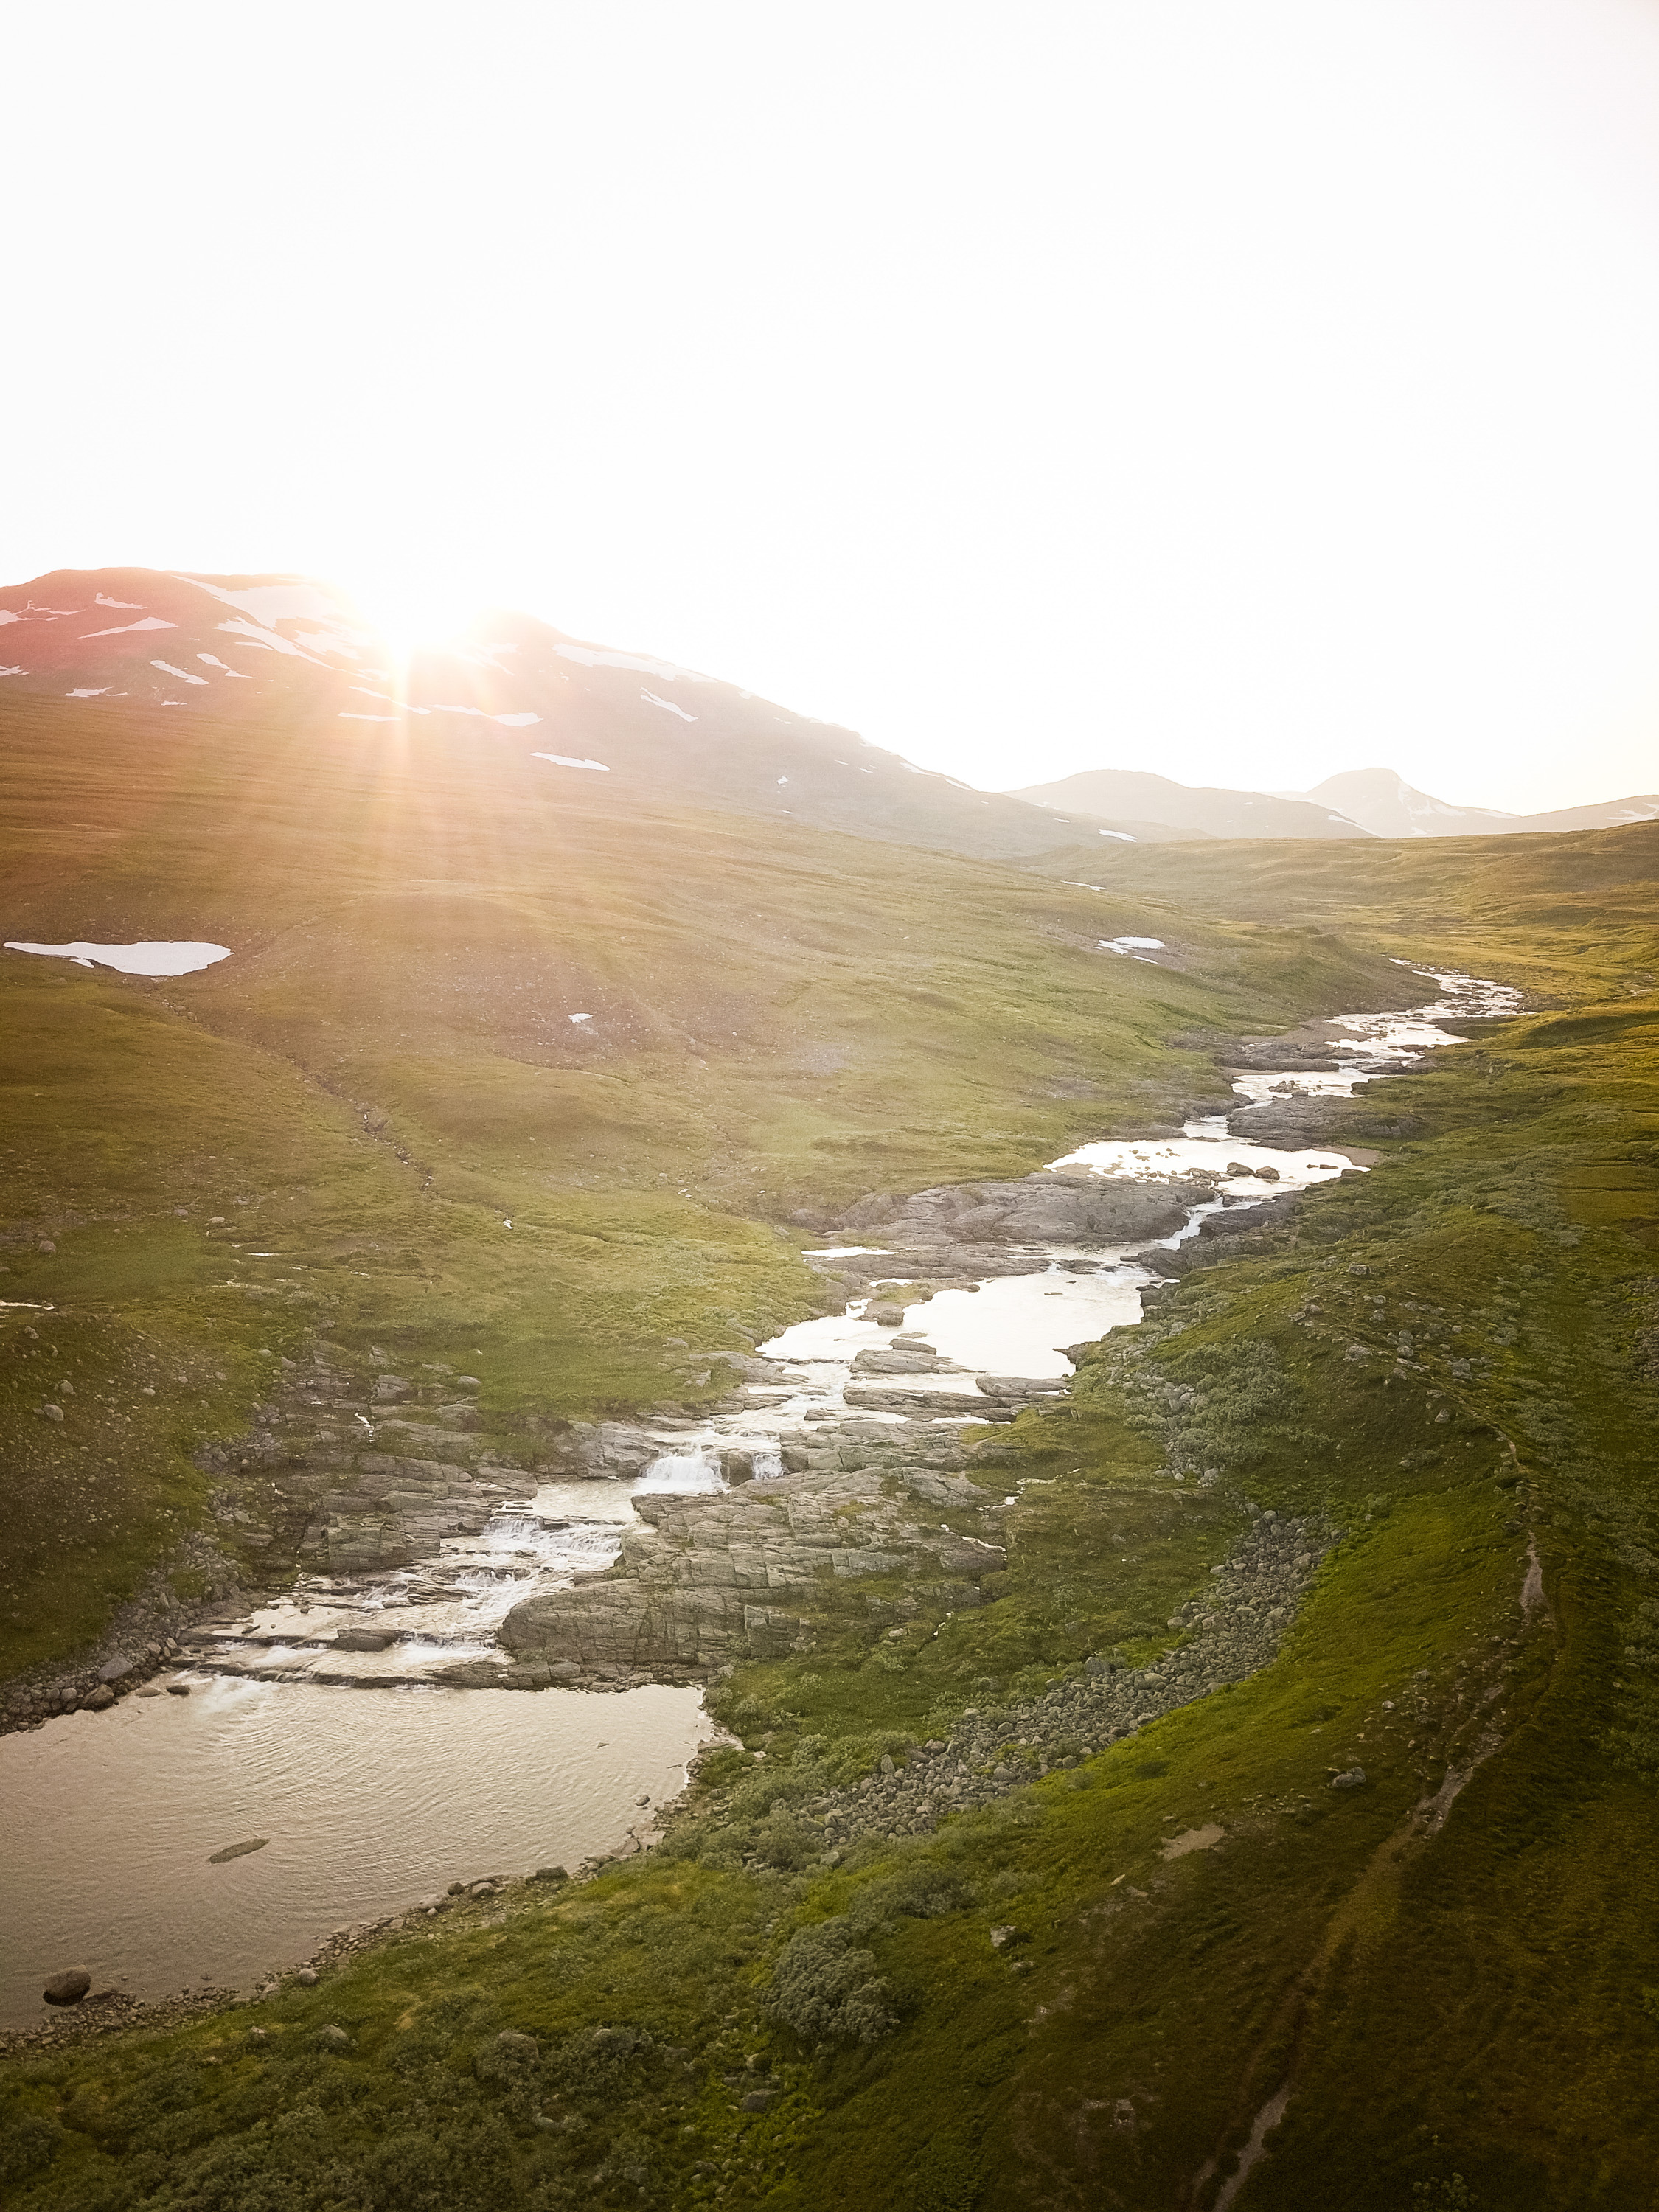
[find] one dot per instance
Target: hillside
(1388, 806)
(386, 1068)
(1129, 798)
(254, 650)
(554, 1074)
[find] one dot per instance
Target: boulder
(68, 1988)
(514, 2045)
(115, 1670)
(100, 1700)
(363, 1639)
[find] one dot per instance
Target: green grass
(385, 1075)
(1465, 2003)
(1468, 2003)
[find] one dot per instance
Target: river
(372, 1790)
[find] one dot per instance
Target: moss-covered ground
(1452, 1360)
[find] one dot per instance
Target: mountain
(244, 648)
(1147, 805)
(1383, 803)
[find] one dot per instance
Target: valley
(1081, 1416)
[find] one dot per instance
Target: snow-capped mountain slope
(1386, 804)
(287, 647)
(1128, 796)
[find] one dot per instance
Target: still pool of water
(370, 1799)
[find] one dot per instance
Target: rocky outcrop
(386, 1512)
(1049, 1207)
(748, 1574)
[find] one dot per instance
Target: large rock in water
(69, 1988)
(1045, 1208)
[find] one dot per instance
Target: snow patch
(274, 603)
(589, 656)
(149, 622)
(1126, 946)
(223, 667)
(479, 714)
(1122, 837)
(127, 606)
(565, 760)
(183, 674)
(101, 692)
(582, 1017)
(669, 703)
(149, 958)
(268, 639)
(346, 715)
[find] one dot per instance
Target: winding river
(382, 1786)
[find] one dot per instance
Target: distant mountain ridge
(1382, 802)
(1368, 802)
(1132, 796)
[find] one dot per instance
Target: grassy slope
(1466, 2004)
(385, 1075)
(1470, 2004)
(1568, 916)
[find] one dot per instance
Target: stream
(376, 1782)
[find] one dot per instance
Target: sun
(410, 614)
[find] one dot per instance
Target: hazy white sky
(1241, 391)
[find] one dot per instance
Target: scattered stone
(52, 1413)
(307, 1977)
(67, 1989)
(518, 2046)
(759, 2100)
(100, 1700)
(333, 2037)
(115, 1670)
(1353, 1779)
(177, 1689)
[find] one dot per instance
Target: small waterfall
(697, 1469)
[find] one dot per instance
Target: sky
(1242, 392)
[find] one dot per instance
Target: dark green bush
(828, 1989)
